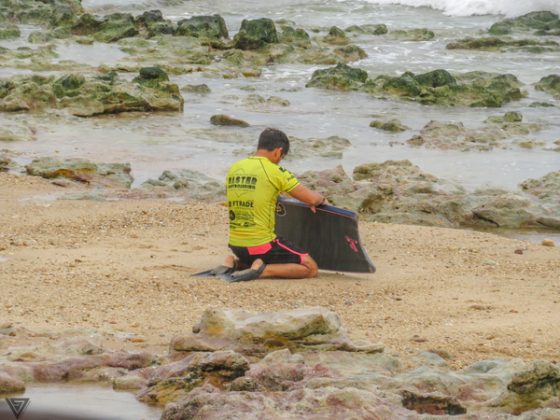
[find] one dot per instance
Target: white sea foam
(509, 8)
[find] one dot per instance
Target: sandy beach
(124, 267)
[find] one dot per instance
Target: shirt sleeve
(286, 181)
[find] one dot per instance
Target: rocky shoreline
(292, 363)
(388, 192)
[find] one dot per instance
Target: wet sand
(124, 267)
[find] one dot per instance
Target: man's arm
(308, 196)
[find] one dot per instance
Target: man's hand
(314, 208)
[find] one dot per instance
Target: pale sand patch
(125, 267)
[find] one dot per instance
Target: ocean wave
(509, 8)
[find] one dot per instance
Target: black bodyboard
(330, 235)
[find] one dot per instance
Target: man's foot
(252, 273)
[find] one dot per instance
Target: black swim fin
(244, 275)
(220, 270)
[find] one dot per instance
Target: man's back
(253, 185)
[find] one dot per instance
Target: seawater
(157, 142)
(87, 402)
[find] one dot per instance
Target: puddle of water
(535, 237)
(80, 402)
(95, 54)
(25, 31)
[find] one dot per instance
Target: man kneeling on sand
(253, 185)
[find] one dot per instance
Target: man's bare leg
(307, 269)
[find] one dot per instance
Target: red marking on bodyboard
(352, 243)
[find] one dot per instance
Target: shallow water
(533, 236)
(86, 402)
(153, 143)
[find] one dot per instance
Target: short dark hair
(271, 138)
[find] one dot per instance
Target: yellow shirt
(253, 185)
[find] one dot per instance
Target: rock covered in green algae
(435, 87)
(150, 16)
(535, 386)
(151, 23)
(51, 12)
(491, 89)
(340, 77)
(40, 37)
(257, 101)
(113, 175)
(349, 53)
(221, 119)
(336, 36)
(550, 84)
(26, 94)
(370, 29)
(151, 76)
(499, 44)
(9, 32)
(508, 117)
(201, 89)
(233, 60)
(543, 22)
(545, 188)
(475, 89)
(213, 27)
(68, 85)
(297, 36)
(255, 34)
(89, 96)
(418, 34)
(87, 24)
(110, 28)
(393, 125)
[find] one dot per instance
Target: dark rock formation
(255, 34)
(435, 87)
(213, 27)
(544, 23)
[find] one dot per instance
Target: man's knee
(311, 265)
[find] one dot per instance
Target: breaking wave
(509, 8)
